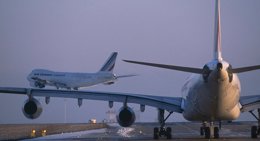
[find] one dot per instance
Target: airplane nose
(219, 66)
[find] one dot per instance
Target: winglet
(110, 63)
(217, 33)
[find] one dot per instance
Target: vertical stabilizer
(110, 63)
(217, 33)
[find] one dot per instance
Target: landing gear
(162, 131)
(209, 131)
(156, 133)
(216, 132)
(159, 132)
(39, 84)
(255, 130)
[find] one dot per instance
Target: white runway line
(68, 135)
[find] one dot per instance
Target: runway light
(33, 133)
(44, 132)
(93, 121)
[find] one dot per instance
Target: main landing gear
(210, 131)
(255, 130)
(162, 131)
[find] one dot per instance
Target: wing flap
(167, 103)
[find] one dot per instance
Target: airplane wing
(250, 103)
(167, 103)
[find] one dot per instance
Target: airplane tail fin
(217, 43)
(110, 63)
(217, 33)
(217, 52)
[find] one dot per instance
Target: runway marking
(68, 135)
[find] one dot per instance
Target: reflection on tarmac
(237, 131)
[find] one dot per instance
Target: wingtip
(129, 61)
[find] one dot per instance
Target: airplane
(40, 78)
(210, 95)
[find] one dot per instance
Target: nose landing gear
(209, 131)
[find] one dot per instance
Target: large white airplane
(211, 95)
(40, 77)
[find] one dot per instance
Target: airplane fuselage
(212, 96)
(69, 80)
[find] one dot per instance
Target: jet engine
(32, 108)
(125, 117)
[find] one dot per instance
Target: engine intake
(125, 117)
(32, 108)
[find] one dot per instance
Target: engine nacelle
(125, 117)
(32, 108)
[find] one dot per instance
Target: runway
(237, 131)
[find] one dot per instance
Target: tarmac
(181, 131)
(25, 131)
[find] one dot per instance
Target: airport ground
(182, 131)
(25, 131)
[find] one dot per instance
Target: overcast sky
(78, 36)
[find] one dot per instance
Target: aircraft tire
(207, 132)
(168, 133)
(216, 133)
(254, 132)
(155, 133)
(202, 130)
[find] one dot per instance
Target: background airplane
(203, 105)
(40, 77)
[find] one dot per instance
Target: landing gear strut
(209, 130)
(255, 130)
(162, 131)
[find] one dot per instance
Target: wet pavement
(236, 131)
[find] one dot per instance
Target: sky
(78, 36)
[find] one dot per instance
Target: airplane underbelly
(206, 103)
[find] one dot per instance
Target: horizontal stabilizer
(245, 69)
(171, 67)
(249, 103)
(128, 75)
